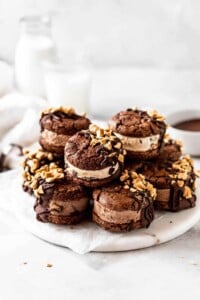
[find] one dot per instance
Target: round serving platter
(87, 236)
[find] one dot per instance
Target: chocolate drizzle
(147, 213)
(177, 201)
(176, 177)
(59, 192)
(63, 123)
(137, 123)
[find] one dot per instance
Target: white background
(144, 53)
(156, 33)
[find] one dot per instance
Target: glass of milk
(68, 84)
(35, 45)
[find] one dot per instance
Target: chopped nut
(66, 110)
(184, 166)
(118, 145)
(154, 114)
(94, 142)
(182, 176)
(187, 192)
(54, 206)
(112, 154)
(34, 184)
(121, 158)
(137, 183)
(124, 176)
(24, 175)
(134, 175)
(126, 187)
(100, 133)
(180, 183)
(40, 190)
(108, 146)
(178, 142)
(166, 137)
(103, 140)
(40, 155)
(25, 152)
(93, 128)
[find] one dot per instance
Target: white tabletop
(167, 271)
(171, 270)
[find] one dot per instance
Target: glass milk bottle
(68, 84)
(35, 46)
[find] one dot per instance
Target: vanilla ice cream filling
(141, 144)
(89, 174)
(52, 137)
(116, 217)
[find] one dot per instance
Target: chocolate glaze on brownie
(175, 183)
(94, 150)
(63, 121)
(82, 154)
(171, 150)
(137, 123)
(57, 200)
(32, 163)
(58, 124)
(123, 206)
(50, 205)
(133, 164)
(141, 132)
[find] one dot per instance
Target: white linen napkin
(19, 124)
(6, 78)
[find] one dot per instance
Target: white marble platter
(87, 236)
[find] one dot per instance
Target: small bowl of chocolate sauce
(185, 126)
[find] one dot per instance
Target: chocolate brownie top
(137, 123)
(115, 197)
(94, 149)
(157, 174)
(63, 121)
(133, 164)
(171, 150)
(130, 192)
(180, 173)
(57, 191)
(61, 190)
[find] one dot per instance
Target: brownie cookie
(124, 205)
(57, 126)
(32, 163)
(141, 132)
(174, 182)
(133, 165)
(93, 157)
(171, 150)
(59, 201)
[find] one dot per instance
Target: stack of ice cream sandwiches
(128, 170)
